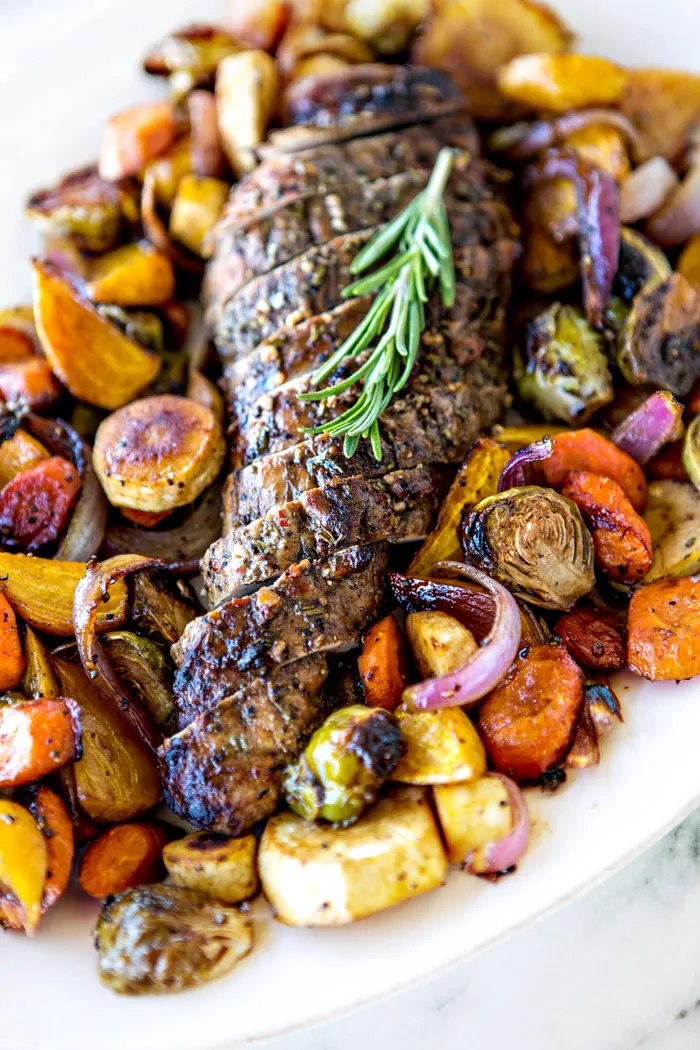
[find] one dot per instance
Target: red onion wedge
(91, 591)
(651, 426)
(524, 140)
(484, 668)
(516, 471)
(500, 856)
(679, 218)
(602, 703)
(584, 751)
(646, 189)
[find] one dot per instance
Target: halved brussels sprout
(641, 265)
(563, 371)
(189, 56)
(344, 765)
(156, 939)
(83, 206)
(141, 326)
(162, 606)
(533, 541)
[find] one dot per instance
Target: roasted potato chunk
(198, 203)
(260, 23)
(215, 865)
(673, 517)
(442, 747)
(158, 453)
(439, 643)
(166, 171)
(135, 136)
(189, 56)
(134, 275)
(247, 88)
(562, 82)
(23, 861)
(387, 25)
(664, 106)
(472, 39)
(603, 146)
(321, 876)
(473, 815)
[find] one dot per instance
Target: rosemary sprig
(392, 328)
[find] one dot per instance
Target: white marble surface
(617, 970)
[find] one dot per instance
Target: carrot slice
(587, 450)
(134, 136)
(527, 723)
(664, 622)
(12, 661)
(31, 380)
(621, 539)
(593, 638)
(35, 739)
(126, 855)
(35, 506)
(382, 665)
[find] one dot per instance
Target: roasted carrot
(11, 656)
(667, 465)
(382, 665)
(587, 450)
(134, 136)
(35, 506)
(15, 345)
(35, 739)
(126, 855)
(593, 638)
(664, 625)
(145, 518)
(621, 538)
(31, 380)
(527, 723)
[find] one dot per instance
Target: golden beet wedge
(133, 275)
(90, 355)
(158, 453)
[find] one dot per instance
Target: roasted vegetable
(533, 541)
(485, 823)
(204, 392)
(155, 939)
(587, 450)
(550, 218)
(442, 747)
(165, 172)
(134, 136)
(642, 265)
(344, 765)
(673, 518)
(689, 261)
(219, 867)
(116, 777)
(133, 275)
(55, 825)
(664, 106)
(23, 862)
(439, 643)
(467, 602)
(198, 203)
(246, 97)
(594, 638)
(664, 618)
(162, 606)
(563, 370)
(472, 39)
(124, 856)
(30, 381)
(91, 357)
(11, 657)
(84, 207)
(18, 453)
(691, 452)
(601, 145)
(158, 453)
(517, 437)
(189, 56)
(41, 591)
(303, 41)
(261, 23)
(667, 465)
(383, 664)
(477, 478)
(321, 876)
(528, 722)
(35, 507)
(37, 738)
(385, 24)
(39, 680)
(559, 82)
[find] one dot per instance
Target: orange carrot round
(124, 856)
(527, 723)
(35, 506)
(146, 519)
(36, 738)
(621, 538)
(586, 450)
(31, 379)
(593, 638)
(12, 662)
(664, 626)
(382, 665)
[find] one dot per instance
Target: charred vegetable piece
(383, 664)
(344, 765)
(322, 876)
(18, 453)
(562, 82)
(442, 747)
(585, 750)
(477, 478)
(91, 357)
(124, 856)
(304, 41)
(42, 590)
(467, 602)
(23, 862)
(189, 56)
(667, 465)
(116, 776)
(247, 86)
(133, 275)
(517, 437)
(563, 371)
(601, 145)
(221, 868)
(621, 538)
(39, 680)
(587, 450)
(162, 606)
(593, 638)
(37, 738)
(528, 722)
(664, 105)
(387, 25)
(439, 643)
(485, 823)
(533, 541)
(35, 506)
(134, 136)
(156, 939)
(642, 265)
(84, 207)
(166, 171)
(30, 381)
(664, 618)
(158, 453)
(198, 203)
(601, 703)
(673, 518)
(660, 343)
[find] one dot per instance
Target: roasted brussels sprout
(344, 765)
(563, 370)
(189, 57)
(535, 542)
(162, 606)
(141, 326)
(641, 265)
(156, 939)
(83, 206)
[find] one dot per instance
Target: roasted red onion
(524, 140)
(679, 218)
(503, 854)
(646, 189)
(651, 426)
(516, 471)
(484, 668)
(90, 593)
(585, 751)
(207, 155)
(601, 702)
